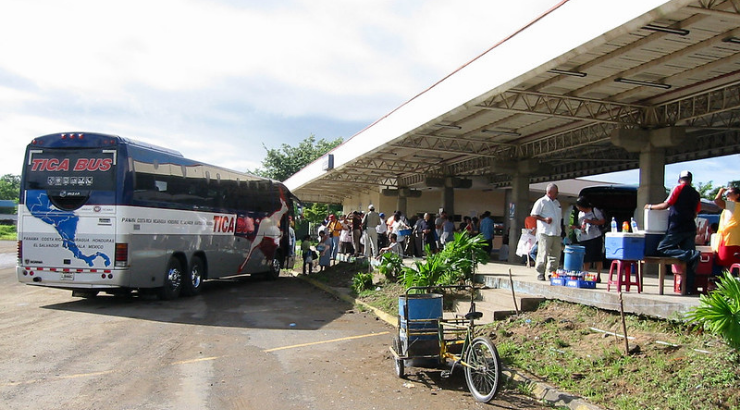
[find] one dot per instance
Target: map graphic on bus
(64, 222)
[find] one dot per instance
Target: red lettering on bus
(93, 164)
(223, 224)
(52, 164)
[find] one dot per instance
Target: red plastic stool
(624, 270)
(733, 267)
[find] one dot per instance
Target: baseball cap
(685, 175)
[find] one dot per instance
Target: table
(662, 261)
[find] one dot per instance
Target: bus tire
(172, 280)
(276, 265)
(192, 280)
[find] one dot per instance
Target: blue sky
(218, 79)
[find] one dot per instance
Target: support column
(520, 201)
(652, 177)
(448, 200)
(402, 202)
(651, 145)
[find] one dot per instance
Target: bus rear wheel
(193, 279)
(172, 280)
(275, 265)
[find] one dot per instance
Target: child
(306, 253)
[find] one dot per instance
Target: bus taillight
(20, 251)
(121, 255)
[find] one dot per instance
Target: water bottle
(633, 224)
(614, 225)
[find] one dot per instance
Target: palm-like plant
(465, 253)
(720, 310)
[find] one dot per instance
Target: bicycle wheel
(398, 363)
(483, 369)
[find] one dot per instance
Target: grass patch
(8, 233)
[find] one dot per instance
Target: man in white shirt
(549, 217)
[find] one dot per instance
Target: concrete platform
(495, 275)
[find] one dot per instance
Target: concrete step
(497, 304)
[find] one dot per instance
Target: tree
(282, 163)
(706, 190)
(10, 187)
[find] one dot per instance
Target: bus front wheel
(193, 280)
(172, 280)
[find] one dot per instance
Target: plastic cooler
(656, 220)
(625, 245)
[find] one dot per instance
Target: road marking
(324, 342)
(181, 362)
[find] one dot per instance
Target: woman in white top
(399, 224)
(590, 221)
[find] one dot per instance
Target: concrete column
(652, 177)
(520, 199)
(402, 202)
(448, 200)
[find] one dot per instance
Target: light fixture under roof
(643, 83)
(733, 40)
(669, 30)
(502, 132)
(566, 72)
(450, 126)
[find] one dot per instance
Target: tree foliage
(281, 163)
(10, 187)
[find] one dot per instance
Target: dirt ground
(661, 355)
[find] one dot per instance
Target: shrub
(391, 266)
(719, 311)
(362, 281)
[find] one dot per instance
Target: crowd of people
(370, 234)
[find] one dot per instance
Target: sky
(220, 81)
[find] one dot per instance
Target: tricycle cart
(425, 336)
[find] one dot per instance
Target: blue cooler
(625, 246)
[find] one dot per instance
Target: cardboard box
(625, 245)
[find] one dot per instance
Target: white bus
(104, 213)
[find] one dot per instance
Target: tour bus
(102, 213)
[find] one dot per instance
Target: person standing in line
(306, 254)
(448, 231)
(728, 230)
(370, 225)
(683, 203)
(549, 216)
(589, 222)
(427, 230)
(324, 250)
(356, 232)
(487, 230)
(398, 226)
(438, 222)
(334, 228)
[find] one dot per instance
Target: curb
(539, 390)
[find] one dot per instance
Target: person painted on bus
(684, 205)
(728, 230)
(306, 253)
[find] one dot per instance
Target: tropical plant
(362, 281)
(432, 271)
(391, 266)
(464, 253)
(719, 311)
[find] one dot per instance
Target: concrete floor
(649, 302)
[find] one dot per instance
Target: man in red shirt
(679, 241)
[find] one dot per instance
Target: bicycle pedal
(446, 374)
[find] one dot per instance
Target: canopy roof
(550, 96)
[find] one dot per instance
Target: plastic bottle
(614, 225)
(625, 226)
(633, 224)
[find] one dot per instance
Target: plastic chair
(624, 270)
